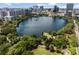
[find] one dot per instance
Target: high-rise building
(69, 9)
(35, 8)
(41, 7)
(8, 17)
(8, 14)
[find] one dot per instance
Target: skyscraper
(69, 9)
(8, 17)
(41, 7)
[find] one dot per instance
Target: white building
(12, 13)
(61, 12)
(8, 17)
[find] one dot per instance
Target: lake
(37, 25)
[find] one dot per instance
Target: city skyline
(39, 29)
(28, 5)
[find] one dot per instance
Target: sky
(28, 5)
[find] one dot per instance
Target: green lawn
(42, 51)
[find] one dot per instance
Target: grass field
(42, 51)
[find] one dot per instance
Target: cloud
(46, 5)
(8, 4)
(76, 5)
(41, 4)
(52, 4)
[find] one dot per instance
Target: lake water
(37, 25)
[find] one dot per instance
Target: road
(77, 35)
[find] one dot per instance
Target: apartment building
(12, 13)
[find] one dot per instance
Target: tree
(60, 43)
(34, 35)
(54, 33)
(2, 39)
(18, 51)
(47, 43)
(7, 30)
(4, 48)
(12, 38)
(27, 53)
(1, 22)
(30, 45)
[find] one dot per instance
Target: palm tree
(47, 43)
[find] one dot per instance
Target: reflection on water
(37, 25)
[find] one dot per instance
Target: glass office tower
(69, 9)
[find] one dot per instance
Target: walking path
(77, 35)
(66, 52)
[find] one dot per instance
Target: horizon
(28, 5)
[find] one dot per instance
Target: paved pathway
(66, 52)
(77, 35)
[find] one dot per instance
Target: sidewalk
(77, 35)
